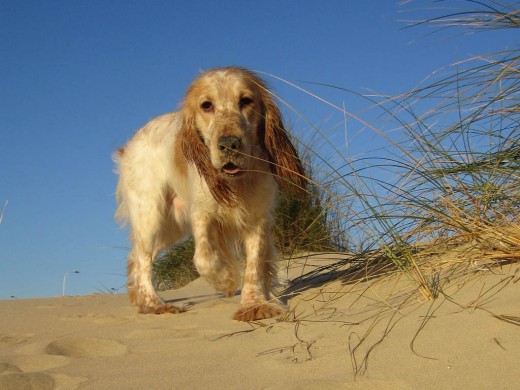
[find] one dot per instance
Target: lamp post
(65, 280)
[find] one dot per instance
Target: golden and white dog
(212, 168)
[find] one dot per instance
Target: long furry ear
(196, 152)
(285, 163)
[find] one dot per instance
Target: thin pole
(65, 280)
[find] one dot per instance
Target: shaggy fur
(210, 169)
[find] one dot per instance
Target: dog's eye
(207, 106)
(245, 102)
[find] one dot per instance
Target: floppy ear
(196, 152)
(285, 163)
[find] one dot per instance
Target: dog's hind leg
(153, 229)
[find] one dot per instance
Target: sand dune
(358, 335)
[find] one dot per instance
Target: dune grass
(447, 184)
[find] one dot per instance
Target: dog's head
(232, 127)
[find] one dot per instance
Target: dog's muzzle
(229, 145)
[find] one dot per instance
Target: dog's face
(232, 127)
(228, 112)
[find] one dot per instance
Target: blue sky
(78, 78)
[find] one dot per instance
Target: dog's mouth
(231, 169)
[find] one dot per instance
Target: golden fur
(210, 169)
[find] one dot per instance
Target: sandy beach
(378, 334)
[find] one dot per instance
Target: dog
(213, 169)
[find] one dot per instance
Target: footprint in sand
(85, 347)
(7, 340)
(35, 363)
(8, 368)
(26, 381)
(22, 372)
(26, 371)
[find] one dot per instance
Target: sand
(378, 334)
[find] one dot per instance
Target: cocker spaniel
(211, 169)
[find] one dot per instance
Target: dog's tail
(121, 214)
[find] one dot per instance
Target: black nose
(229, 143)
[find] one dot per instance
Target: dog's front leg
(213, 258)
(257, 302)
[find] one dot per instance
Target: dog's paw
(258, 311)
(161, 308)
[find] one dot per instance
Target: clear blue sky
(78, 78)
